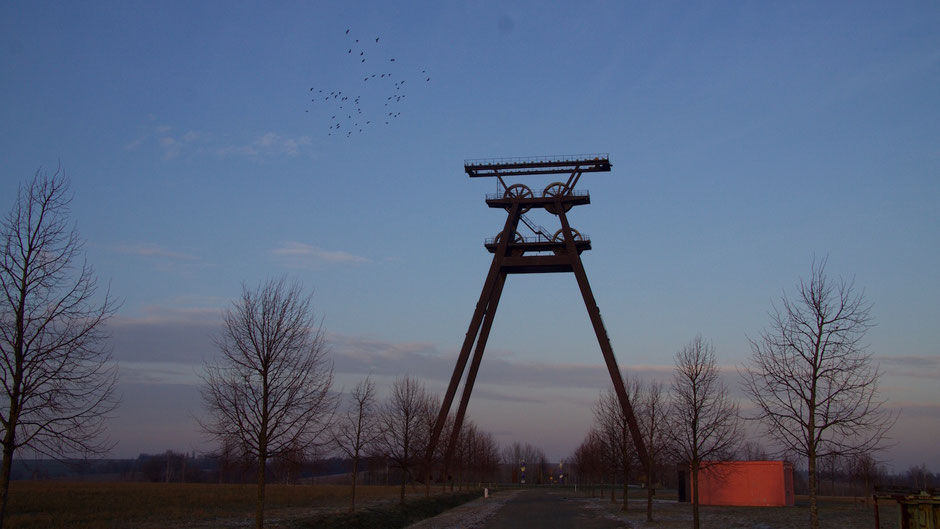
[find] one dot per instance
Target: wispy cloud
(168, 337)
(173, 143)
(300, 255)
(916, 366)
(146, 249)
(355, 355)
(268, 144)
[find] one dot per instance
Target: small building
(740, 483)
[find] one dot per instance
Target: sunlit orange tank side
(744, 483)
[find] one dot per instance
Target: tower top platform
(537, 165)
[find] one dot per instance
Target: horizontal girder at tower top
(576, 198)
(538, 165)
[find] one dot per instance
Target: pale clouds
(173, 144)
(166, 337)
(147, 249)
(354, 355)
(269, 144)
(294, 254)
(915, 366)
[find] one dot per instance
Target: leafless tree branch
(813, 382)
(55, 366)
(270, 387)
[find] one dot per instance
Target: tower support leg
(474, 368)
(602, 338)
(509, 230)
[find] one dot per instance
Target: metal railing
(538, 159)
(570, 193)
(538, 238)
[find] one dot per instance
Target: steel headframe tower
(512, 254)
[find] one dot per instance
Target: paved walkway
(526, 509)
(544, 509)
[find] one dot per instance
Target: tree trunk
(649, 489)
(626, 476)
(695, 520)
(613, 487)
(352, 505)
(259, 506)
(811, 468)
(401, 496)
(5, 477)
(813, 507)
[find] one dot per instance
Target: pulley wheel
(560, 236)
(519, 191)
(554, 190)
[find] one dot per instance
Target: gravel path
(470, 515)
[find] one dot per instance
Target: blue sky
(746, 139)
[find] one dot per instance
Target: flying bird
(393, 60)
(347, 32)
(376, 39)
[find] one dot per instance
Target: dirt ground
(669, 514)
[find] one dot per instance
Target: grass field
(88, 505)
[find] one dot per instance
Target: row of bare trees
(811, 381)
(269, 397)
(695, 422)
(399, 431)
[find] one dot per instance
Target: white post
(486, 492)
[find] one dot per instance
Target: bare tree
(429, 410)
(864, 470)
(918, 476)
(58, 378)
(270, 389)
(814, 385)
(518, 454)
(652, 414)
(482, 454)
(403, 432)
(612, 423)
(357, 428)
(704, 419)
(588, 459)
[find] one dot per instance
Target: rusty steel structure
(537, 253)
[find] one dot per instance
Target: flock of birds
(383, 83)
